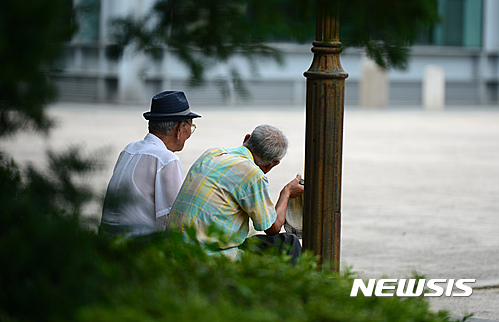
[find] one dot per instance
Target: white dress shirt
(145, 182)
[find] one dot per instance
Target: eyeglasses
(193, 127)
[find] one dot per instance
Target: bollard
(374, 85)
(434, 88)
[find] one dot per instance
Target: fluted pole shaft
(324, 140)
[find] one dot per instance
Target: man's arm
(291, 190)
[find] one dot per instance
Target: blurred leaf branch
(386, 29)
(31, 39)
(203, 33)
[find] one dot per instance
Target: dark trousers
(286, 243)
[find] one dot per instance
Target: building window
(461, 24)
(88, 15)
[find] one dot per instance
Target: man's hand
(291, 190)
(294, 187)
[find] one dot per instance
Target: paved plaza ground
(420, 188)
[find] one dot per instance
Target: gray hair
(162, 127)
(268, 143)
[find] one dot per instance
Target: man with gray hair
(226, 187)
(148, 175)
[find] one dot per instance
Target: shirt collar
(245, 152)
(154, 140)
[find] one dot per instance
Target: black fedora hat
(170, 106)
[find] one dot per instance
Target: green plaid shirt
(224, 188)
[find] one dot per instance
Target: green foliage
(386, 28)
(49, 265)
(31, 39)
(202, 33)
(53, 268)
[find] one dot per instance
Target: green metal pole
(324, 140)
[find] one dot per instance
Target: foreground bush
(162, 278)
(55, 269)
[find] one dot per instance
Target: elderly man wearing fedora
(148, 175)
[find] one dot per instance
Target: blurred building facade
(465, 48)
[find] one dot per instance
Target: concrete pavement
(420, 189)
